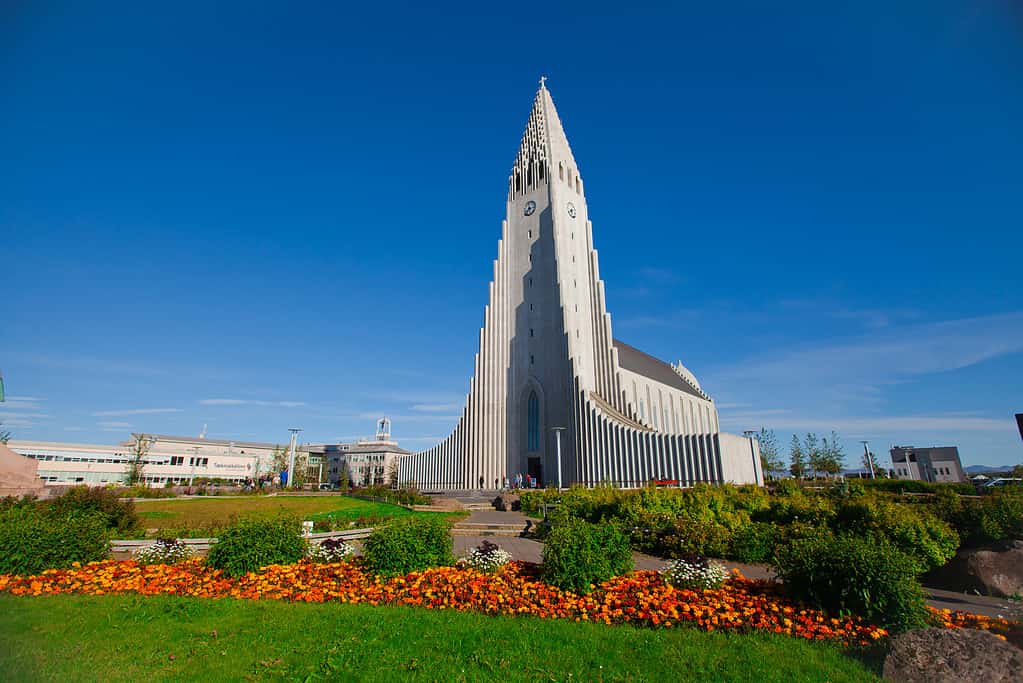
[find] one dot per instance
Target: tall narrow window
(533, 423)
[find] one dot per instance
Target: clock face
(530, 208)
(571, 209)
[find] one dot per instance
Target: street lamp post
(557, 449)
(291, 457)
(866, 456)
(195, 459)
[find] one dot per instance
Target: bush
(696, 537)
(250, 544)
(753, 543)
(402, 496)
(864, 576)
(911, 529)
(330, 550)
(487, 557)
(408, 544)
(32, 539)
(986, 520)
(118, 515)
(695, 572)
(163, 551)
(579, 555)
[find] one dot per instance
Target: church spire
(544, 146)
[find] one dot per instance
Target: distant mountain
(986, 469)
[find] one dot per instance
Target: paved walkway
(530, 550)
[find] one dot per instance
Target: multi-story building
(366, 462)
(933, 464)
(175, 459)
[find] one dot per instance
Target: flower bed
(641, 598)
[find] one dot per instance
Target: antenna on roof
(202, 434)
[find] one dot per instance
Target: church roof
(631, 358)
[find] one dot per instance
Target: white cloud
(860, 425)
(437, 407)
(249, 402)
(135, 411)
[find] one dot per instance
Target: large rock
(988, 571)
(506, 502)
(938, 655)
(18, 475)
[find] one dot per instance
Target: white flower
(329, 550)
(695, 573)
(163, 552)
(487, 557)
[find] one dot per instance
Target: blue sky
(265, 215)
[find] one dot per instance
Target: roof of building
(631, 358)
(212, 442)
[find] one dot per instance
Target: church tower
(547, 358)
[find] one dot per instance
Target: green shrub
(250, 544)
(913, 486)
(911, 529)
(402, 496)
(985, 520)
(753, 543)
(408, 544)
(864, 576)
(696, 537)
(579, 555)
(32, 539)
(118, 515)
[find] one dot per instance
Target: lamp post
(195, 459)
(291, 457)
(557, 449)
(866, 456)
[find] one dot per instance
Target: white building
(177, 459)
(549, 374)
(366, 462)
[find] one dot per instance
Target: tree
(797, 459)
(135, 475)
(770, 459)
(812, 451)
(832, 455)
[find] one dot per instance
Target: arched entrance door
(534, 439)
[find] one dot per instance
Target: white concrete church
(548, 360)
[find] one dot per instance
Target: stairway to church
(493, 523)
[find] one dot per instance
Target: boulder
(994, 571)
(18, 475)
(506, 502)
(938, 655)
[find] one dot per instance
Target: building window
(533, 423)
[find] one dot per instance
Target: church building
(554, 394)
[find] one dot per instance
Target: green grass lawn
(171, 513)
(133, 638)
